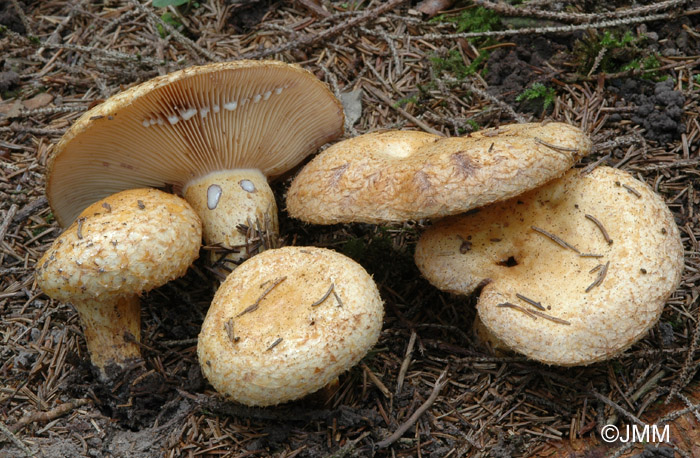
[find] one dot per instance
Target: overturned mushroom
(287, 322)
(403, 175)
(119, 247)
(212, 133)
(574, 272)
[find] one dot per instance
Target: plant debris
(456, 73)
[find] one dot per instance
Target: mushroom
(287, 322)
(119, 247)
(402, 175)
(213, 133)
(572, 273)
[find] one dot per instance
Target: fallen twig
(177, 35)
(403, 112)
(328, 33)
(49, 415)
(406, 362)
(9, 216)
(541, 30)
(349, 447)
(439, 385)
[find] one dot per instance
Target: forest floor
(628, 73)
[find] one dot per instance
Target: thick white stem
(112, 328)
(227, 199)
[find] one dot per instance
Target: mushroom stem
(112, 328)
(227, 199)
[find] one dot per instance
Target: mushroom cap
(130, 242)
(402, 175)
(287, 347)
(609, 301)
(265, 115)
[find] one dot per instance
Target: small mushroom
(213, 134)
(119, 247)
(403, 175)
(574, 272)
(287, 322)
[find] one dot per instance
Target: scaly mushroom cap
(264, 115)
(398, 176)
(595, 296)
(287, 322)
(128, 243)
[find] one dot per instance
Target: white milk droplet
(213, 195)
(216, 108)
(267, 95)
(278, 91)
(247, 185)
(145, 123)
(204, 112)
(187, 114)
(173, 119)
(230, 106)
(257, 98)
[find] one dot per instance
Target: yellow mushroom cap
(287, 322)
(596, 296)
(263, 115)
(402, 175)
(128, 243)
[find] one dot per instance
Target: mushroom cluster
(574, 268)
(212, 134)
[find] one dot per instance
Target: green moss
(612, 52)
(473, 124)
(472, 20)
(184, 7)
(406, 100)
(11, 94)
(454, 64)
(171, 20)
(469, 20)
(540, 93)
(609, 40)
(166, 3)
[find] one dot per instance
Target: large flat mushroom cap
(264, 115)
(399, 176)
(128, 243)
(597, 301)
(268, 338)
